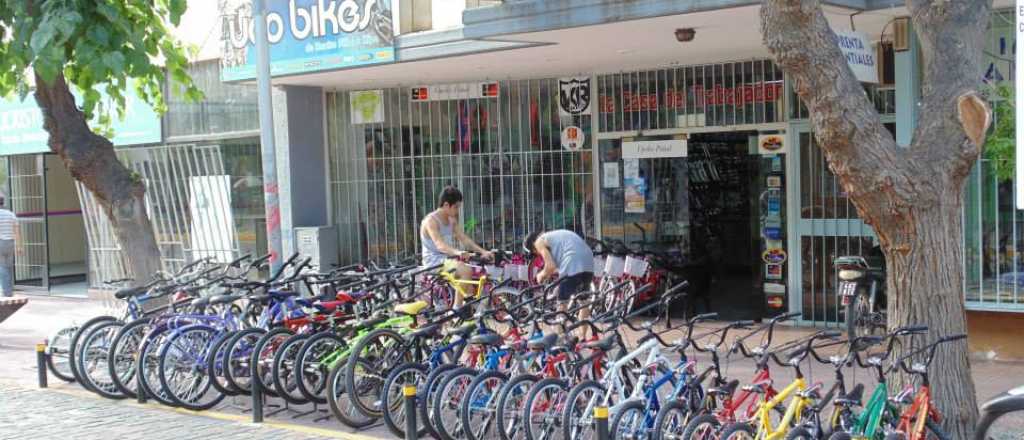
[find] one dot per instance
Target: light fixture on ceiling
(685, 35)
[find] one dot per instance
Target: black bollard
(257, 396)
(411, 431)
(41, 364)
(601, 422)
(140, 391)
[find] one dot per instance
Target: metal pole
(257, 395)
(601, 422)
(140, 391)
(41, 364)
(411, 431)
(270, 195)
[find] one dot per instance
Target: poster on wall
(213, 225)
(574, 96)
(654, 149)
(860, 55)
(367, 106)
(611, 175)
(771, 144)
(634, 186)
(573, 138)
(307, 36)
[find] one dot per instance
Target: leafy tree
(93, 45)
(911, 196)
(1001, 144)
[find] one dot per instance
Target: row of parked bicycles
(508, 363)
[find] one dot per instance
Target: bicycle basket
(494, 272)
(598, 266)
(517, 272)
(635, 267)
(613, 266)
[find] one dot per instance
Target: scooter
(861, 293)
(1009, 402)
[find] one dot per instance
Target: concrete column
(908, 90)
(301, 174)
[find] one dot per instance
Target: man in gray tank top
(441, 232)
(566, 254)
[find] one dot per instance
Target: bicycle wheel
(283, 371)
(800, 433)
(544, 407)
(59, 348)
(737, 431)
(447, 419)
(216, 364)
(427, 393)
(73, 349)
(702, 427)
(479, 409)
(313, 360)
(511, 401)
(340, 402)
(148, 364)
(183, 372)
(393, 397)
(237, 368)
(263, 357)
(628, 422)
(121, 358)
(92, 359)
(671, 421)
(577, 420)
(371, 360)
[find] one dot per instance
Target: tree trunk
(90, 158)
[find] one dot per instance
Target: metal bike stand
(411, 431)
(279, 409)
(41, 355)
(316, 410)
(601, 423)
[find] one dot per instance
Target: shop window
(226, 108)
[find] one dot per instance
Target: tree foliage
(108, 44)
(1001, 144)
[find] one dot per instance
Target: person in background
(567, 255)
(8, 236)
(441, 230)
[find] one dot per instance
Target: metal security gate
(188, 199)
(28, 201)
(392, 152)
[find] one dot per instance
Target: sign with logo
(700, 97)
(573, 138)
(768, 144)
(307, 36)
(450, 92)
(774, 288)
(367, 106)
(21, 123)
(776, 301)
(774, 256)
(860, 55)
(574, 96)
(773, 271)
(654, 149)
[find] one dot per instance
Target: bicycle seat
(328, 306)
(853, 398)
(604, 345)
(543, 344)
(489, 339)
(411, 309)
(426, 331)
(129, 292)
(726, 390)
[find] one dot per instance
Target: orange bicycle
(920, 418)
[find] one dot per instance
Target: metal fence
(504, 152)
(188, 199)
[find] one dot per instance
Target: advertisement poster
(307, 36)
(573, 138)
(611, 175)
(634, 186)
(367, 107)
(769, 144)
(213, 225)
(574, 96)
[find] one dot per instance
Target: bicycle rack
(41, 357)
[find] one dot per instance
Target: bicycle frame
(912, 421)
(765, 430)
(871, 419)
(732, 405)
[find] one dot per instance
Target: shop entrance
(716, 210)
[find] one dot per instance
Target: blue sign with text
(307, 36)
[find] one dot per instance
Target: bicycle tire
(937, 430)
(628, 413)
(191, 348)
(263, 357)
(572, 418)
(58, 347)
(448, 398)
(73, 348)
(337, 396)
(394, 412)
(239, 358)
(840, 435)
(558, 385)
(123, 351)
(311, 371)
(667, 419)
(215, 365)
(425, 398)
(89, 353)
(147, 361)
(283, 370)
(371, 382)
(473, 400)
(511, 400)
(703, 427)
(732, 431)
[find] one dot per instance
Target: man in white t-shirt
(8, 235)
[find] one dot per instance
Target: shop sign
(451, 92)
(776, 302)
(21, 123)
(769, 144)
(573, 138)
(715, 95)
(574, 96)
(774, 256)
(654, 149)
(774, 181)
(774, 288)
(860, 55)
(367, 106)
(773, 271)
(307, 36)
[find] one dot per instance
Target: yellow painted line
(311, 430)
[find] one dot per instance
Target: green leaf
(114, 61)
(177, 10)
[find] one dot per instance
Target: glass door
(28, 201)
